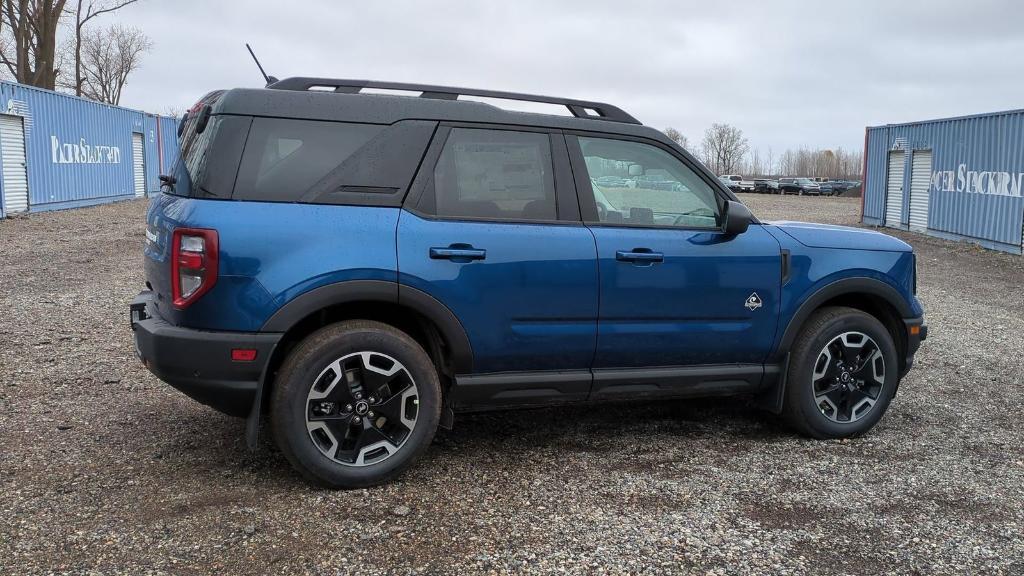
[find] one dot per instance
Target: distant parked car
(851, 185)
(766, 186)
(840, 186)
(745, 184)
(799, 186)
(826, 188)
(731, 184)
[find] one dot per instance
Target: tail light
(194, 261)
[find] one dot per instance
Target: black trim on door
(519, 389)
(525, 389)
(676, 381)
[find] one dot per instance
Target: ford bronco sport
(359, 267)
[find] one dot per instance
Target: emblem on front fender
(753, 302)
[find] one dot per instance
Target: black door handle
(639, 256)
(458, 253)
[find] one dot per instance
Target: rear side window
(284, 159)
(208, 160)
(493, 174)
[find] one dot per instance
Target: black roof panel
(388, 109)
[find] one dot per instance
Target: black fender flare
(773, 387)
(350, 291)
(844, 286)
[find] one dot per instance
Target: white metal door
(12, 150)
(138, 165)
(920, 186)
(894, 188)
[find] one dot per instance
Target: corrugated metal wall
(79, 152)
(161, 139)
(976, 190)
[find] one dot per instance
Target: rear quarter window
(284, 158)
(208, 161)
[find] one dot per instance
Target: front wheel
(355, 404)
(843, 372)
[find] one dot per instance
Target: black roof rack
(578, 108)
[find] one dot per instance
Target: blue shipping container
(69, 151)
(957, 178)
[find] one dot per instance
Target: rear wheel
(355, 404)
(842, 374)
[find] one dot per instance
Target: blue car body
(530, 312)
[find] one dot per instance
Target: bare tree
(85, 11)
(109, 55)
(837, 163)
(28, 40)
(723, 148)
(678, 137)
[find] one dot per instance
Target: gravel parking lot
(103, 469)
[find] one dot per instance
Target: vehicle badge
(753, 302)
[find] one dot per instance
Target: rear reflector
(915, 330)
(243, 355)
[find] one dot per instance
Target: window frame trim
(588, 204)
(567, 207)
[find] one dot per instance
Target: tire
(341, 419)
(859, 399)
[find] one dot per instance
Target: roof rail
(578, 108)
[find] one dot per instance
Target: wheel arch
(428, 321)
(866, 294)
(871, 296)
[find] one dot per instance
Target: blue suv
(359, 267)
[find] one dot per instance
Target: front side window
(493, 174)
(640, 184)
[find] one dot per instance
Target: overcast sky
(789, 74)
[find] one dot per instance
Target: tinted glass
(641, 184)
(284, 158)
(493, 174)
(207, 161)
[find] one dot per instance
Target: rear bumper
(198, 362)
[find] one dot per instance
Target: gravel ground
(103, 469)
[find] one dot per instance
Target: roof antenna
(270, 79)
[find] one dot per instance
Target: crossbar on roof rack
(578, 108)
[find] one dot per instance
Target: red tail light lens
(194, 261)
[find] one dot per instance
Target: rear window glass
(207, 160)
(283, 159)
(493, 174)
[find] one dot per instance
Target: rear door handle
(457, 253)
(639, 256)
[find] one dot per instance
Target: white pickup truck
(745, 185)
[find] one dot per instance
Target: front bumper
(198, 362)
(917, 332)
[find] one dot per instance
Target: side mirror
(636, 170)
(737, 218)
